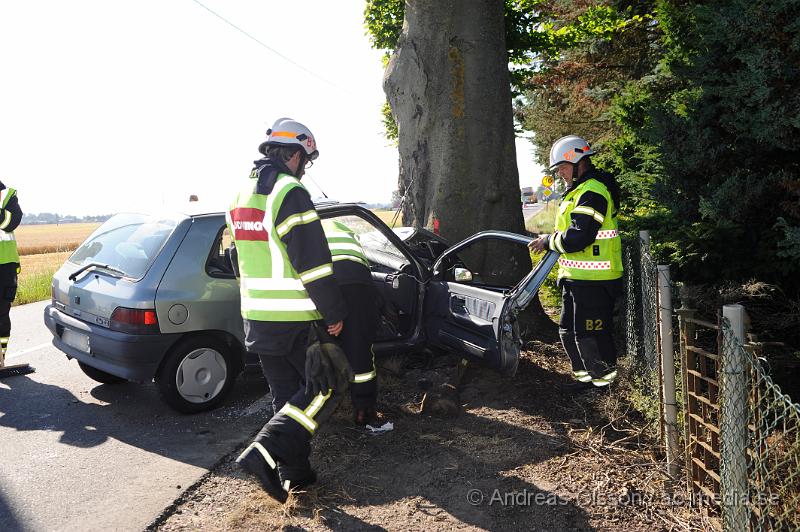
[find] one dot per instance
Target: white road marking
(29, 350)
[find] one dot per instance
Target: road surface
(79, 455)
(528, 211)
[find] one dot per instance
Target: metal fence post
(733, 423)
(644, 236)
(668, 371)
(648, 314)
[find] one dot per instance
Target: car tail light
(134, 320)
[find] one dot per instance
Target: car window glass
(492, 263)
(127, 242)
(218, 264)
(375, 244)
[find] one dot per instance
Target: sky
(109, 106)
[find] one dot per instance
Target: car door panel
(464, 318)
(479, 322)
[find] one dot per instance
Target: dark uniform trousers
(8, 291)
(586, 327)
(286, 438)
(357, 338)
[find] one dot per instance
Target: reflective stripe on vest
(6, 220)
(270, 288)
(343, 243)
(5, 196)
(600, 260)
(586, 264)
(602, 235)
(8, 242)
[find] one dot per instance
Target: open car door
(477, 318)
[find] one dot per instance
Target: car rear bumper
(131, 356)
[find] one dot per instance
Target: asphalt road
(79, 455)
(529, 210)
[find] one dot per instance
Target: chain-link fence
(640, 308)
(758, 427)
(760, 436)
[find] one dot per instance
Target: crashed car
(155, 297)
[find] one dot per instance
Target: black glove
(327, 366)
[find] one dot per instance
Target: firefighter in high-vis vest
(351, 271)
(286, 284)
(10, 217)
(590, 265)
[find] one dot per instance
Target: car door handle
(458, 304)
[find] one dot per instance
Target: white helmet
(569, 149)
(288, 132)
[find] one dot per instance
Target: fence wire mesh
(641, 324)
(760, 469)
(759, 426)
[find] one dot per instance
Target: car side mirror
(462, 275)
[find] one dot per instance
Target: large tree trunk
(448, 86)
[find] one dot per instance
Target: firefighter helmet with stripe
(569, 149)
(288, 132)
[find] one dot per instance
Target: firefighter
(10, 217)
(286, 284)
(590, 266)
(351, 270)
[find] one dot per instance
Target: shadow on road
(130, 413)
(8, 519)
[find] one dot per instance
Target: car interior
(396, 279)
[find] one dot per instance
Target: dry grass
(544, 220)
(46, 262)
(37, 275)
(51, 238)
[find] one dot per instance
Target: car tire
(197, 374)
(100, 376)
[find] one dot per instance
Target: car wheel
(100, 376)
(196, 374)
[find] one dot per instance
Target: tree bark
(449, 89)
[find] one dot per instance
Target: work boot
(257, 461)
(305, 481)
(577, 387)
(365, 416)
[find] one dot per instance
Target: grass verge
(34, 287)
(36, 276)
(544, 220)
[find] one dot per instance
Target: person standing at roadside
(590, 266)
(10, 218)
(286, 285)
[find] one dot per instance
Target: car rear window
(127, 242)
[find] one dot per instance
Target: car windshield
(369, 237)
(126, 242)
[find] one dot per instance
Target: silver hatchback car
(155, 297)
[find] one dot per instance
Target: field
(388, 216)
(50, 238)
(43, 249)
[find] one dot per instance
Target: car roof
(197, 209)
